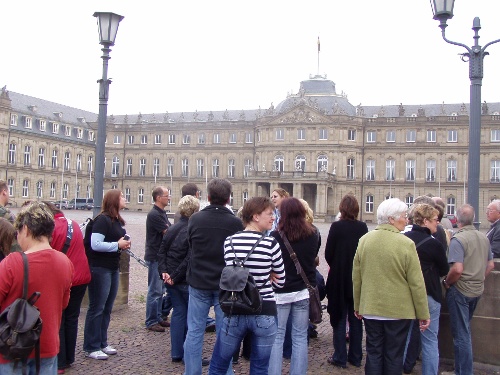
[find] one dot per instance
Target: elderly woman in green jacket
(388, 288)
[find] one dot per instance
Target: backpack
(238, 292)
(86, 228)
(21, 327)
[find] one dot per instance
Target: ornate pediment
(300, 115)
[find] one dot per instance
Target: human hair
(52, 207)
(424, 199)
(3, 186)
(423, 211)
(390, 208)
(349, 207)
(281, 192)
(309, 211)
(189, 189)
(111, 205)
(7, 235)
(293, 220)
(37, 218)
(496, 204)
(465, 215)
(157, 192)
(255, 206)
(219, 191)
(188, 205)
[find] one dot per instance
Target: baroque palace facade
(315, 144)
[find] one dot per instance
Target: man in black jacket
(207, 231)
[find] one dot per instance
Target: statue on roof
(401, 110)
(165, 117)
(302, 91)
(139, 118)
(111, 118)
(153, 118)
(335, 108)
(125, 119)
(225, 115)
(210, 116)
(463, 109)
(181, 117)
(421, 111)
(485, 108)
(195, 115)
(242, 115)
(443, 111)
(360, 110)
(381, 111)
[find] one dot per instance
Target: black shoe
(210, 328)
(355, 364)
(407, 371)
(205, 362)
(176, 360)
(331, 361)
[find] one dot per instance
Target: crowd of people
(388, 282)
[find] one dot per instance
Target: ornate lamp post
(443, 11)
(108, 27)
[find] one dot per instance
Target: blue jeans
(429, 338)
(355, 354)
(299, 312)
(69, 327)
(179, 295)
(461, 309)
(154, 300)
(200, 302)
(103, 288)
(48, 366)
(263, 330)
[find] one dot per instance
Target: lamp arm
(458, 44)
(490, 43)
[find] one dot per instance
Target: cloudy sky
(215, 55)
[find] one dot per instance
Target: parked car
(453, 220)
(61, 204)
(81, 204)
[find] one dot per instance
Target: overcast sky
(215, 55)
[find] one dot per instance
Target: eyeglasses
(491, 209)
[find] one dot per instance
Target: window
(230, 168)
(43, 125)
(495, 135)
(115, 166)
(185, 167)
(232, 138)
(66, 160)
(451, 170)
(279, 163)
(157, 139)
(431, 136)
(170, 167)
(78, 162)
(91, 136)
(54, 159)
(90, 161)
(495, 171)
(199, 168)
(369, 203)
(116, 139)
(280, 134)
(351, 135)
(186, 139)
(55, 128)
(79, 133)
(409, 200)
(13, 120)
(27, 122)
(411, 135)
(65, 190)
(410, 170)
(259, 136)
(452, 136)
(12, 153)
(215, 168)
(127, 195)
(300, 163)
(78, 188)
(248, 137)
(370, 170)
(216, 138)
(171, 139)
(201, 138)
(52, 192)
(25, 188)
(67, 131)
(128, 171)
(323, 134)
(450, 205)
(156, 167)
(371, 136)
(390, 136)
(245, 196)
(350, 169)
(89, 191)
(247, 168)
(430, 170)
(140, 195)
(322, 164)
(144, 139)
(390, 167)
(142, 167)
(27, 156)
(10, 185)
(301, 134)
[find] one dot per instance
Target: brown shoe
(164, 323)
(156, 328)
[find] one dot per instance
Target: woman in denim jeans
(266, 265)
(293, 299)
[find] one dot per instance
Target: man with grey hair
(470, 261)
(4, 199)
(493, 216)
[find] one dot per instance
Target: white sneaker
(109, 350)
(98, 354)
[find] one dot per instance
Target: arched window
(279, 163)
(300, 163)
(322, 163)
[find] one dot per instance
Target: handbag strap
(295, 260)
(69, 236)
(236, 259)
(26, 275)
(423, 241)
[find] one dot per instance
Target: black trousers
(385, 345)
(414, 346)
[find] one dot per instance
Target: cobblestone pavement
(144, 352)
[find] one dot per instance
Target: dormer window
(79, 133)
(67, 131)
(33, 108)
(55, 128)
(13, 120)
(58, 114)
(81, 119)
(42, 124)
(91, 136)
(27, 122)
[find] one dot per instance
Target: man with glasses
(157, 224)
(493, 216)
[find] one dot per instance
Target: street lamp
(108, 27)
(443, 11)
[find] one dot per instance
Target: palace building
(315, 144)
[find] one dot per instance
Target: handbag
(315, 309)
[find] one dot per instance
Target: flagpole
(319, 48)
